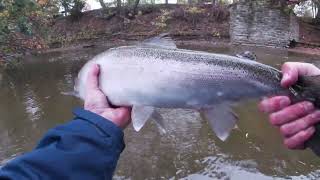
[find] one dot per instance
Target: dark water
(32, 102)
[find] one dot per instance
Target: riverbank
(98, 28)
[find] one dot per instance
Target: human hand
(296, 121)
(96, 101)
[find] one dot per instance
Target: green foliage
(24, 25)
(22, 7)
(4, 30)
(14, 16)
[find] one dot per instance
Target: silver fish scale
(255, 70)
(180, 78)
(229, 78)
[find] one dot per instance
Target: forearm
(87, 147)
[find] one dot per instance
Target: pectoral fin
(221, 119)
(140, 115)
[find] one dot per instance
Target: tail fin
(308, 88)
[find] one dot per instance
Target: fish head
(79, 82)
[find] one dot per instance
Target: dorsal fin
(163, 41)
(247, 55)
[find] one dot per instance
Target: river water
(32, 101)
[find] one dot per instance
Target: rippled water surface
(32, 101)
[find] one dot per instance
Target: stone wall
(260, 23)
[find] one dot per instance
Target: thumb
(292, 70)
(290, 74)
(92, 78)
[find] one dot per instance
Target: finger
(292, 70)
(291, 113)
(92, 78)
(121, 113)
(301, 124)
(274, 104)
(290, 74)
(297, 141)
(124, 113)
(120, 116)
(123, 116)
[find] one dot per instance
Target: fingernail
(284, 102)
(308, 106)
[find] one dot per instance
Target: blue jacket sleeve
(87, 147)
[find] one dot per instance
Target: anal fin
(221, 119)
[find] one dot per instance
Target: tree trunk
(66, 6)
(317, 4)
(103, 5)
(213, 3)
(318, 16)
(167, 1)
(119, 6)
(283, 3)
(135, 7)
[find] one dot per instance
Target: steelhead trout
(156, 74)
